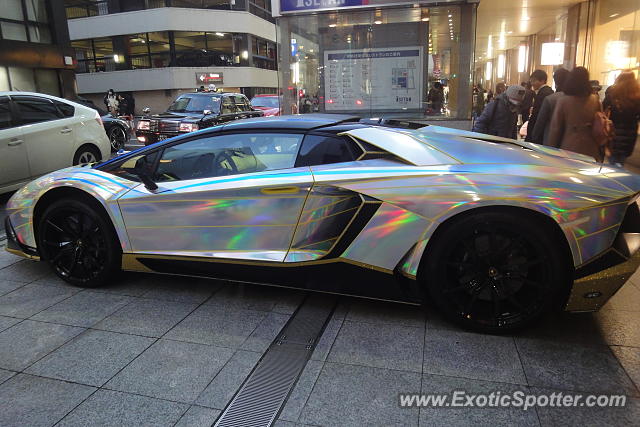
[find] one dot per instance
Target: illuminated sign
(302, 5)
(552, 54)
(203, 79)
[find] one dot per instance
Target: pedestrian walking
(111, 102)
(540, 132)
(478, 101)
(500, 116)
(436, 97)
(622, 102)
(573, 118)
(538, 82)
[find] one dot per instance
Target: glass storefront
(615, 43)
(403, 61)
(601, 35)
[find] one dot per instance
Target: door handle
(14, 142)
(280, 190)
(65, 130)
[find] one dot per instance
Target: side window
(324, 150)
(241, 103)
(67, 110)
(5, 113)
(227, 106)
(228, 155)
(34, 110)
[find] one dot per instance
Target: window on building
(199, 49)
(4, 79)
(13, 31)
(14, 25)
(159, 49)
(39, 34)
(84, 56)
(264, 54)
(84, 8)
(47, 82)
(37, 10)
(22, 79)
(103, 54)
(11, 9)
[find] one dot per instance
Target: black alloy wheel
(117, 138)
(78, 243)
(494, 273)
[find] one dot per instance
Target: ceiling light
(332, 25)
(377, 22)
(425, 19)
(220, 34)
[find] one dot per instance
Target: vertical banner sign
(373, 79)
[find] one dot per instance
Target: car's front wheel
(495, 272)
(117, 138)
(78, 242)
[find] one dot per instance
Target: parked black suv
(193, 111)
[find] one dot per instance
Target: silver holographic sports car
(493, 231)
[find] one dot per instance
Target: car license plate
(162, 137)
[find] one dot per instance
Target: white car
(41, 133)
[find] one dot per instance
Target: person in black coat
(500, 116)
(525, 107)
(622, 100)
(539, 84)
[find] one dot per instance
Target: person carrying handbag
(577, 119)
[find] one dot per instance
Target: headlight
(143, 125)
(188, 127)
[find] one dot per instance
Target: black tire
(79, 243)
(495, 272)
(117, 137)
(86, 154)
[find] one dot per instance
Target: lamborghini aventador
(494, 232)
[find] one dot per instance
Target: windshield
(265, 101)
(196, 104)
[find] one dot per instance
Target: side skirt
(336, 276)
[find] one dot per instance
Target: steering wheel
(220, 168)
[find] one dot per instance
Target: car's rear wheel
(79, 243)
(117, 138)
(493, 272)
(86, 154)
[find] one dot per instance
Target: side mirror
(207, 112)
(137, 166)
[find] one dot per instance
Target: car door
(13, 151)
(234, 196)
(47, 134)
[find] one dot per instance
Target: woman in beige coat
(573, 116)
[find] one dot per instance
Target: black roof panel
(302, 122)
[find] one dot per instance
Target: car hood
(170, 115)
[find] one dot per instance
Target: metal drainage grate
(265, 390)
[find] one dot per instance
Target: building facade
(35, 53)
(158, 49)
